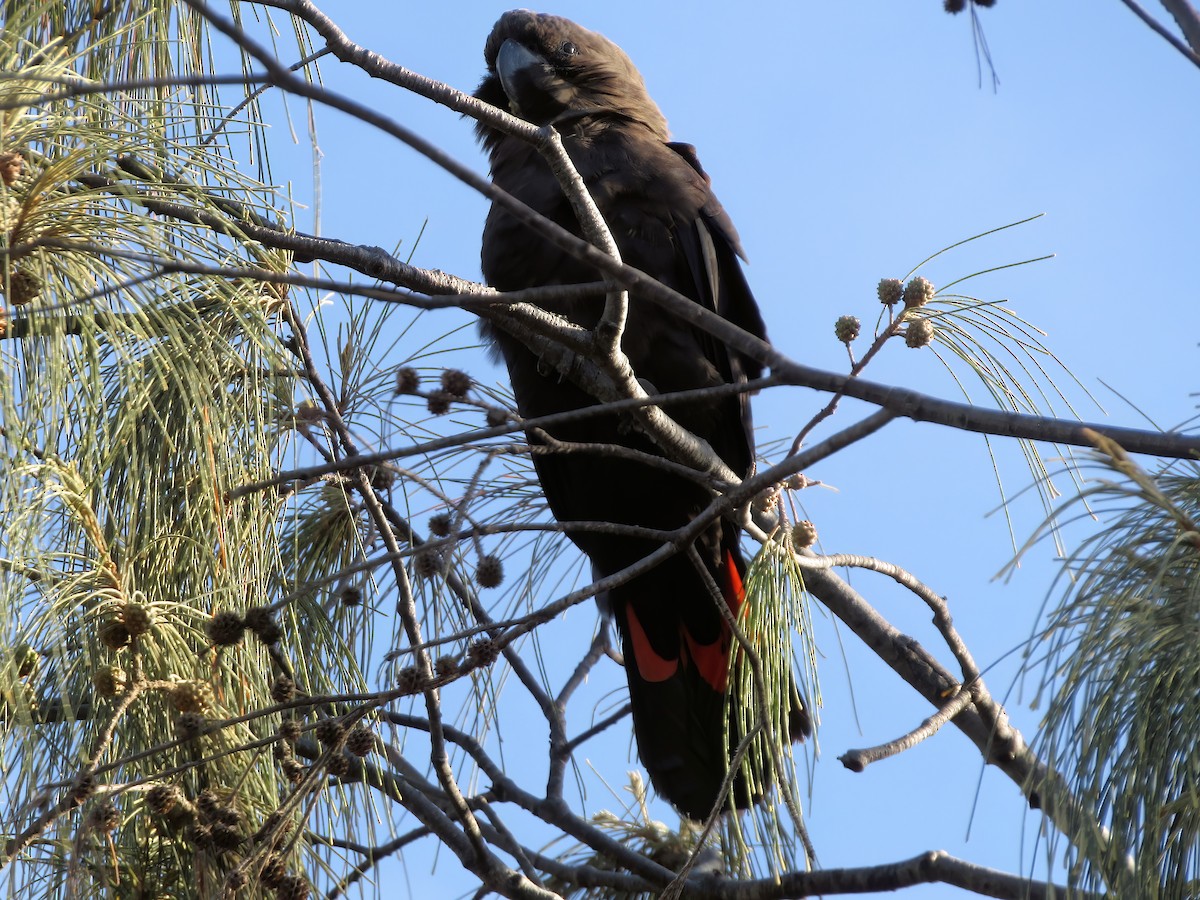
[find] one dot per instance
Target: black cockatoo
(666, 221)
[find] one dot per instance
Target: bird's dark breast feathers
(650, 196)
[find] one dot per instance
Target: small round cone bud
(917, 293)
(919, 334)
(438, 402)
(360, 741)
(490, 572)
(25, 660)
(162, 798)
(847, 328)
(407, 381)
(283, 688)
(309, 412)
(987, 4)
(110, 680)
(138, 618)
(11, 164)
(192, 696)
(189, 725)
(890, 291)
(483, 651)
(113, 634)
(446, 667)
(440, 524)
(496, 417)
(337, 764)
(351, 595)
(797, 482)
(293, 770)
(804, 534)
(456, 383)
(225, 628)
(954, 7)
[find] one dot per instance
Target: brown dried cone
(954, 7)
(407, 381)
(446, 666)
(292, 887)
(207, 803)
(270, 634)
(351, 595)
(490, 571)
(225, 837)
(283, 689)
(408, 680)
(225, 628)
(257, 618)
(439, 525)
(483, 651)
(337, 764)
(200, 836)
(438, 402)
(113, 634)
(293, 770)
(104, 818)
(23, 287)
(330, 732)
(138, 618)
(428, 563)
(273, 871)
(361, 740)
(456, 383)
(496, 417)
(162, 798)
(289, 730)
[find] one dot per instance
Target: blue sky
(849, 141)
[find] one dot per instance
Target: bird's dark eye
(566, 48)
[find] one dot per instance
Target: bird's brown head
(548, 70)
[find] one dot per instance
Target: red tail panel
(650, 665)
